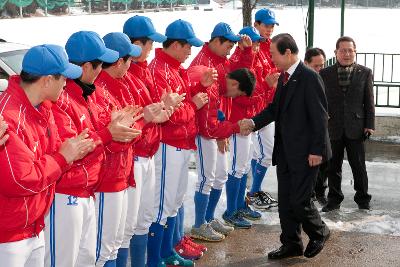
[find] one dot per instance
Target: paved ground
(245, 248)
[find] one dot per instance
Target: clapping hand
(3, 129)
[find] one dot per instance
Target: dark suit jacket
(303, 118)
(354, 110)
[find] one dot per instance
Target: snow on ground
(384, 218)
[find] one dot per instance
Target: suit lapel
(291, 85)
(354, 77)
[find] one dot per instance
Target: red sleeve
(244, 59)
(22, 174)
(182, 115)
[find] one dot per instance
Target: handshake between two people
(246, 126)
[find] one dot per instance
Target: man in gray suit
(349, 90)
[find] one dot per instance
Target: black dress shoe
(315, 246)
(330, 207)
(364, 206)
(285, 252)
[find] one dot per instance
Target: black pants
(296, 209)
(356, 156)
(322, 180)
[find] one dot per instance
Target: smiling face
(265, 31)
(221, 49)
(280, 61)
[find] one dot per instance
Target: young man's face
(224, 49)
(54, 87)
(89, 73)
(182, 52)
(146, 49)
(317, 63)
(123, 66)
(265, 31)
(232, 88)
(346, 53)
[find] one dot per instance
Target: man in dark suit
(299, 110)
(349, 90)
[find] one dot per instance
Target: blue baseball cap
(222, 29)
(252, 33)
(266, 16)
(141, 26)
(120, 42)
(183, 30)
(49, 59)
(84, 46)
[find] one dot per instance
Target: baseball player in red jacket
(32, 159)
(263, 140)
(142, 33)
(77, 109)
(213, 128)
(177, 138)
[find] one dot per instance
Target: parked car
(11, 55)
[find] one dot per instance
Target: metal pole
(45, 8)
(20, 10)
(310, 28)
(90, 6)
(342, 18)
(109, 6)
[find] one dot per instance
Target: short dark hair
(107, 65)
(345, 39)
(169, 42)
(142, 40)
(32, 78)
(246, 79)
(285, 41)
(313, 52)
(221, 39)
(95, 63)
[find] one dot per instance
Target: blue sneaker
(237, 220)
(250, 214)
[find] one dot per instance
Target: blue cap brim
(72, 72)
(232, 37)
(195, 42)
(110, 56)
(136, 51)
(270, 22)
(158, 37)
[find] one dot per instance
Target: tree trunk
(246, 12)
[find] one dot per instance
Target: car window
(13, 59)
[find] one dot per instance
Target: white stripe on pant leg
(109, 211)
(240, 155)
(146, 210)
(221, 171)
(28, 252)
(133, 203)
(265, 145)
(206, 160)
(68, 213)
(87, 247)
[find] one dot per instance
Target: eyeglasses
(346, 51)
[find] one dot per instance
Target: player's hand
(121, 122)
(246, 126)
(173, 100)
(3, 128)
(150, 112)
(314, 160)
(272, 79)
(209, 77)
(77, 148)
(223, 145)
(200, 99)
(245, 41)
(164, 115)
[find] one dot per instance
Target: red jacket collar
(15, 89)
(212, 56)
(139, 68)
(114, 86)
(160, 54)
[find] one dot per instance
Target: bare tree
(247, 9)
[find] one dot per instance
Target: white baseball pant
(111, 211)
(140, 213)
(70, 232)
(240, 148)
(263, 143)
(23, 253)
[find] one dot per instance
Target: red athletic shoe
(187, 252)
(189, 240)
